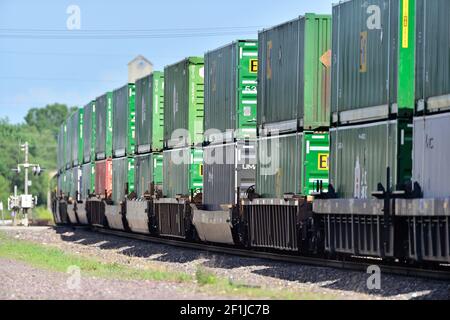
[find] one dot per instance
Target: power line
(125, 36)
(57, 79)
(198, 29)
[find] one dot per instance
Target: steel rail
(361, 266)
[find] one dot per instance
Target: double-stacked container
(373, 100)
(149, 146)
(183, 137)
(428, 219)
(229, 155)
(294, 85)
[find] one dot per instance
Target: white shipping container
(431, 154)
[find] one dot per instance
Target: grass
(40, 213)
(54, 259)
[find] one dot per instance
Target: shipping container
(292, 164)
(231, 90)
(103, 178)
(373, 64)
(74, 145)
(150, 113)
(104, 126)
(149, 170)
(433, 55)
(229, 171)
(122, 178)
(431, 167)
(124, 121)
(73, 179)
(184, 102)
(182, 172)
(89, 123)
(87, 180)
(61, 156)
(69, 147)
(361, 155)
(294, 74)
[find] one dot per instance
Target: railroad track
(362, 265)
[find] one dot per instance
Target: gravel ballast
(252, 272)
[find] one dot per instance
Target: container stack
(373, 101)
(293, 123)
(149, 134)
(183, 154)
(183, 128)
(123, 149)
(427, 219)
(87, 186)
(229, 154)
(103, 145)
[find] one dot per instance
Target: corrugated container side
(231, 88)
(89, 132)
(103, 178)
(433, 50)
(144, 174)
(360, 156)
(69, 142)
(123, 176)
(61, 156)
(104, 126)
(148, 171)
(431, 155)
(292, 164)
(182, 172)
(364, 70)
(150, 113)
(124, 130)
(87, 180)
(294, 78)
(184, 100)
(227, 167)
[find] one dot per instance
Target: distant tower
(138, 68)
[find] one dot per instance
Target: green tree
(40, 130)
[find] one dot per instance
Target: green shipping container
(294, 75)
(360, 156)
(89, 123)
(104, 126)
(123, 173)
(231, 89)
(373, 70)
(149, 169)
(150, 113)
(292, 164)
(124, 121)
(183, 172)
(87, 180)
(184, 102)
(433, 55)
(61, 156)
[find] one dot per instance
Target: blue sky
(38, 71)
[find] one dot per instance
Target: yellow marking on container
(405, 24)
(323, 161)
(363, 52)
(253, 66)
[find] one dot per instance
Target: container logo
(269, 57)
(363, 52)
(323, 161)
(253, 66)
(405, 24)
(374, 20)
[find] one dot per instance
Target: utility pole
(26, 201)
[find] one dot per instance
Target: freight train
(327, 136)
